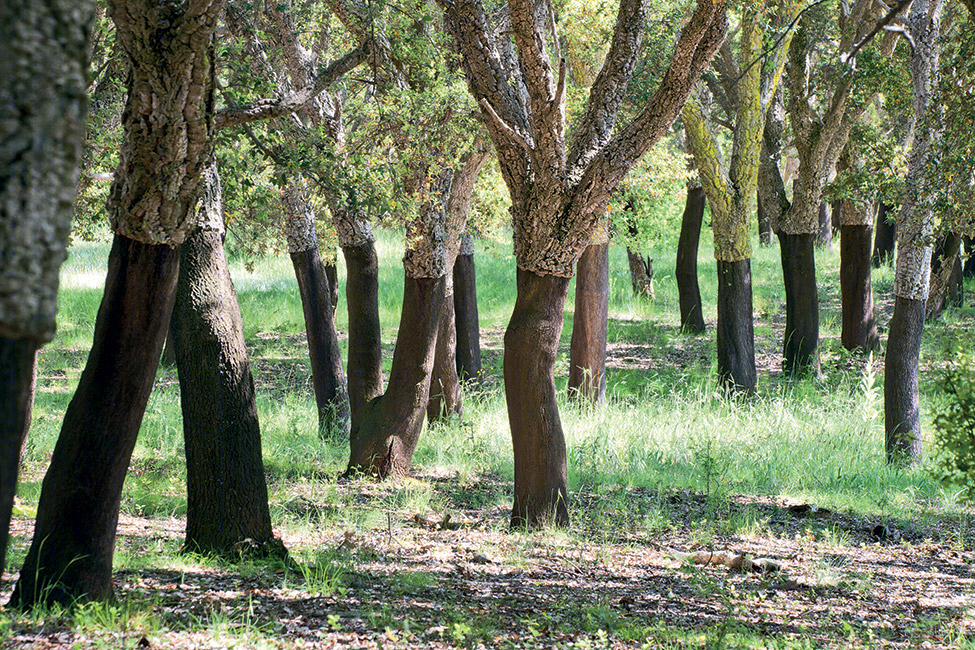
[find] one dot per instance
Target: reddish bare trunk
(688, 290)
(735, 333)
(365, 376)
(801, 345)
(445, 393)
(587, 351)
(468, 326)
(902, 420)
(859, 330)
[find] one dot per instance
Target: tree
(559, 192)
(468, 328)
(915, 225)
(167, 143)
(688, 290)
(43, 63)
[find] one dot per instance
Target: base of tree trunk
(70, 557)
(587, 351)
(859, 327)
(18, 375)
(446, 399)
(801, 345)
(365, 365)
(530, 346)
(383, 439)
(468, 325)
(735, 333)
(328, 378)
(226, 492)
(902, 421)
(885, 237)
(688, 289)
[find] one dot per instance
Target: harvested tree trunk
(530, 344)
(365, 365)
(468, 326)
(902, 412)
(735, 331)
(74, 536)
(445, 394)
(18, 374)
(885, 237)
(859, 328)
(688, 290)
(801, 346)
(587, 350)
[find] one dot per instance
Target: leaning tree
(559, 190)
(43, 64)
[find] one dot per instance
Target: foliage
(954, 423)
(649, 201)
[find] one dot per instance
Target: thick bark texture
(445, 394)
(801, 345)
(468, 326)
(902, 420)
(587, 351)
(885, 237)
(226, 493)
(74, 537)
(384, 437)
(641, 273)
(530, 345)
(859, 329)
(735, 333)
(328, 378)
(688, 290)
(365, 365)
(18, 370)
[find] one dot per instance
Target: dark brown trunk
(365, 364)
(902, 422)
(735, 333)
(18, 373)
(226, 493)
(468, 325)
(946, 276)
(530, 346)
(836, 216)
(587, 352)
(641, 273)
(801, 345)
(764, 225)
(383, 439)
(969, 269)
(332, 275)
(859, 327)
(445, 395)
(885, 237)
(825, 237)
(70, 557)
(688, 290)
(327, 376)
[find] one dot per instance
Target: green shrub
(954, 423)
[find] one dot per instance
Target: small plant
(954, 424)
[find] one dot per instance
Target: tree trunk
(691, 313)
(825, 237)
(902, 421)
(530, 345)
(641, 273)
(365, 365)
(946, 276)
(18, 375)
(587, 351)
(735, 333)
(885, 237)
(328, 378)
(764, 225)
(859, 327)
(383, 439)
(332, 275)
(468, 325)
(445, 394)
(226, 493)
(801, 346)
(74, 537)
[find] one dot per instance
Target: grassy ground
(867, 556)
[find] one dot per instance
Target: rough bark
(735, 333)
(226, 493)
(885, 237)
(688, 290)
(859, 329)
(383, 439)
(641, 273)
(74, 536)
(587, 350)
(43, 64)
(801, 345)
(531, 343)
(468, 326)
(18, 371)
